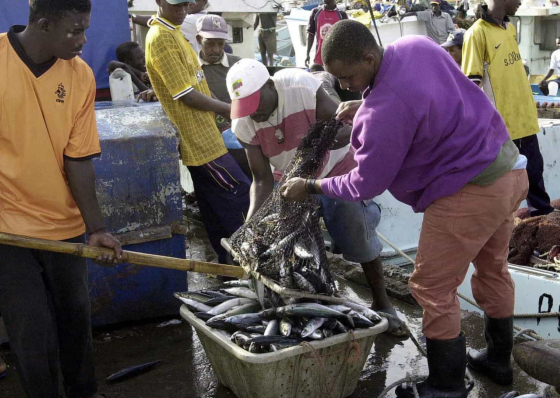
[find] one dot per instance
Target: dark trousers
(537, 199)
(44, 301)
(222, 193)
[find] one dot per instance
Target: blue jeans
(352, 226)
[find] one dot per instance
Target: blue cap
(455, 39)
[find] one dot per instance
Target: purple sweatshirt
(423, 131)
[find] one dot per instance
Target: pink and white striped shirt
(297, 102)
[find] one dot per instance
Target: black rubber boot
(447, 364)
(494, 361)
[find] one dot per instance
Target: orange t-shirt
(46, 113)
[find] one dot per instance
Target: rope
(352, 352)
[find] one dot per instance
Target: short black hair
(347, 41)
(56, 9)
(124, 51)
(316, 68)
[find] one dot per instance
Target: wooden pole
(151, 260)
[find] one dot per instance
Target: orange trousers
(473, 225)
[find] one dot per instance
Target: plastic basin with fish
(328, 367)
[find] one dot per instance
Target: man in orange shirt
(48, 136)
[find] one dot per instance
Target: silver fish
(238, 283)
(285, 328)
(312, 326)
(270, 218)
(248, 308)
(228, 305)
(301, 251)
(340, 308)
(365, 311)
(313, 310)
(242, 292)
(200, 297)
(317, 335)
(195, 304)
(272, 328)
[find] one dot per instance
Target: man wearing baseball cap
(270, 117)
(454, 45)
(212, 35)
(221, 187)
(438, 24)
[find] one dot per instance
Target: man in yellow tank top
(48, 136)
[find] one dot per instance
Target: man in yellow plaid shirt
(221, 187)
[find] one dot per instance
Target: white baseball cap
(244, 82)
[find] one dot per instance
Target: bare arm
(326, 110)
(548, 74)
(263, 180)
(202, 102)
(310, 40)
(81, 181)
(131, 71)
(257, 20)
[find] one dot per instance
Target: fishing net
(283, 240)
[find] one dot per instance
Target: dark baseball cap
(455, 38)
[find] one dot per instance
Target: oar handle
(151, 260)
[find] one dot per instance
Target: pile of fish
(283, 240)
(236, 313)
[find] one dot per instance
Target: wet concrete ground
(186, 372)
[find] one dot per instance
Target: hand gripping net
(283, 240)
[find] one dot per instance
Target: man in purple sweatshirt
(456, 163)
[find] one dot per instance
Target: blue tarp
(108, 28)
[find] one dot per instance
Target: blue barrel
(139, 192)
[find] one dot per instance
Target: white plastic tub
(332, 370)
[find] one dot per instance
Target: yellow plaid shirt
(174, 71)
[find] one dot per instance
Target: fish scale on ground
(274, 328)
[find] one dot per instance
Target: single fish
(197, 296)
(312, 325)
(285, 328)
(248, 308)
(365, 311)
(317, 335)
(245, 321)
(361, 321)
(219, 300)
(270, 218)
(203, 315)
(242, 292)
(301, 251)
(238, 283)
(255, 329)
(199, 307)
(228, 305)
(212, 293)
(131, 371)
(218, 322)
(312, 310)
(272, 328)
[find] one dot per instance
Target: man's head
(197, 6)
(329, 4)
(132, 54)
(251, 90)
(351, 54)
(435, 5)
(454, 45)
(316, 68)
(174, 11)
(501, 8)
(62, 25)
(558, 42)
(511, 6)
(212, 33)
